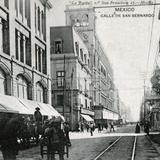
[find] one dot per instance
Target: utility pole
(64, 85)
(72, 99)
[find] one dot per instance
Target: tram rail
(109, 148)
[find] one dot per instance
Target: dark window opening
(58, 47)
(59, 100)
(60, 78)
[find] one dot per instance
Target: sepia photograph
(79, 79)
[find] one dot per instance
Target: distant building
(71, 75)
(25, 49)
(83, 20)
(117, 102)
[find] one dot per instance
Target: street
(87, 147)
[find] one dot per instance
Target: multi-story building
(150, 110)
(71, 75)
(83, 19)
(25, 49)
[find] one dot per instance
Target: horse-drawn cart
(49, 153)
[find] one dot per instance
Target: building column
(19, 46)
(18, 11)
(37, 63)
(23, 17)
(41, 59)
(24, 48)
(40, 30)
(1, 35)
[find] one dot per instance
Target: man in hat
(38, 120)
(38, 115)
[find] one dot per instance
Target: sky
(126, 41)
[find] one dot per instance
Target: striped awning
(87, 118)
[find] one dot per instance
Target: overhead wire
(156, 56)
(150, 42)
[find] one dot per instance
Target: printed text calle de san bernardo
(125, 12)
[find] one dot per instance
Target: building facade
(102, 86)
(150, 109)
(25, 49)
(71, 75)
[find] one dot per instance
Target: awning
(24, 106)
(45, 109)
(87, 117)
(31, 105)
(6, 109)
(14, 104)
(50, 110)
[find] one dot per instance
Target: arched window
(22, 87)
(2, 82)
(39, 92)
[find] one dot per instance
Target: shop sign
(87, 111)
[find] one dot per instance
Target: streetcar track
(99, 155)
(134, 148)
(113, 144)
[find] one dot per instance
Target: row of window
(59, 50)
(40, 59)
(39, 22)
(22, 8)
(23, 48)
(23, 52)
(81, 54)
(24, 88)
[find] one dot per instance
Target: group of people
(90, 127)
(146, 126)
(16, 129)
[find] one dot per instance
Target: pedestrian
(82, 127)
(56, 140)
(137, 130)
(37, 115)
(77, 127)
(112, 127)
(94, 126)
(91, 128)
(66, 131)
(10, 132)
(99, 127)
(38, 123)
(87, 127)
(146, 127)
